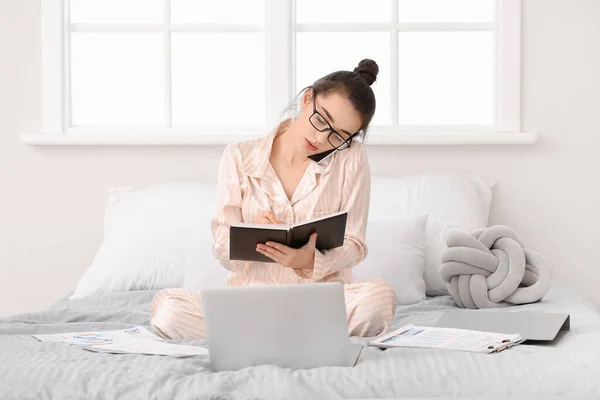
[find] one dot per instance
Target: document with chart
(447, 338)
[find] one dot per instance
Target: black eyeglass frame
(347, 141)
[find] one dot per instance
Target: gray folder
(532, 326)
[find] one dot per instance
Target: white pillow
(179, 206)
(396, 253)
(202, 269)
(150, 236)
(450, 199)
(147, 232)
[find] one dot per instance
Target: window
(230, 67)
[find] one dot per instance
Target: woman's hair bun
(368, 70)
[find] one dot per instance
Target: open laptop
(292, 326)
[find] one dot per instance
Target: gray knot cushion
(491, 268)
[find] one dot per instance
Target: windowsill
(373, 139)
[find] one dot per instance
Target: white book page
(310, 221)
(279, 227)
(285, 227)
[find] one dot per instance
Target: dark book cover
(243, 238)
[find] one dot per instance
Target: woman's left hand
(302, 258)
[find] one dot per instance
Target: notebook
(530, 325)
(244, 237)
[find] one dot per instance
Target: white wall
(52, 199)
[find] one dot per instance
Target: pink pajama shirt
(247, 187)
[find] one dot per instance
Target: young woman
(312, 165)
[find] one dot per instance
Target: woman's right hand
(268, 217)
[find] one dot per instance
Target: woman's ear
(306, 98)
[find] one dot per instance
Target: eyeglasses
(320, 123)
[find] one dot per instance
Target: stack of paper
(447, 338)
(150, 347)
(136, 340)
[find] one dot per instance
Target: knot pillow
(491, 268)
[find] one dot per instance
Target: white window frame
(280, 38)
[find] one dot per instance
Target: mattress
(31, 369)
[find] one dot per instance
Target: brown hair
(355, 86)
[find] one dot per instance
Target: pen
(273, 211)
(501, 346)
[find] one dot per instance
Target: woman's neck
(285, 149)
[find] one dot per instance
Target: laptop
(535, 327)
(291, 326)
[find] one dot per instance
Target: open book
(244, 237)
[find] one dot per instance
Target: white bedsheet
(30, 369)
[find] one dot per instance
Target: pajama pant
(370, 307)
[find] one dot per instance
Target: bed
(32, 369)
(160, 237)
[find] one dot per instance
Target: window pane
(117, 11)
(222, 11)
(319, 53)
(332, 11)
(117, 79)
(446, 10)
(219, 79)
(446, 78)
